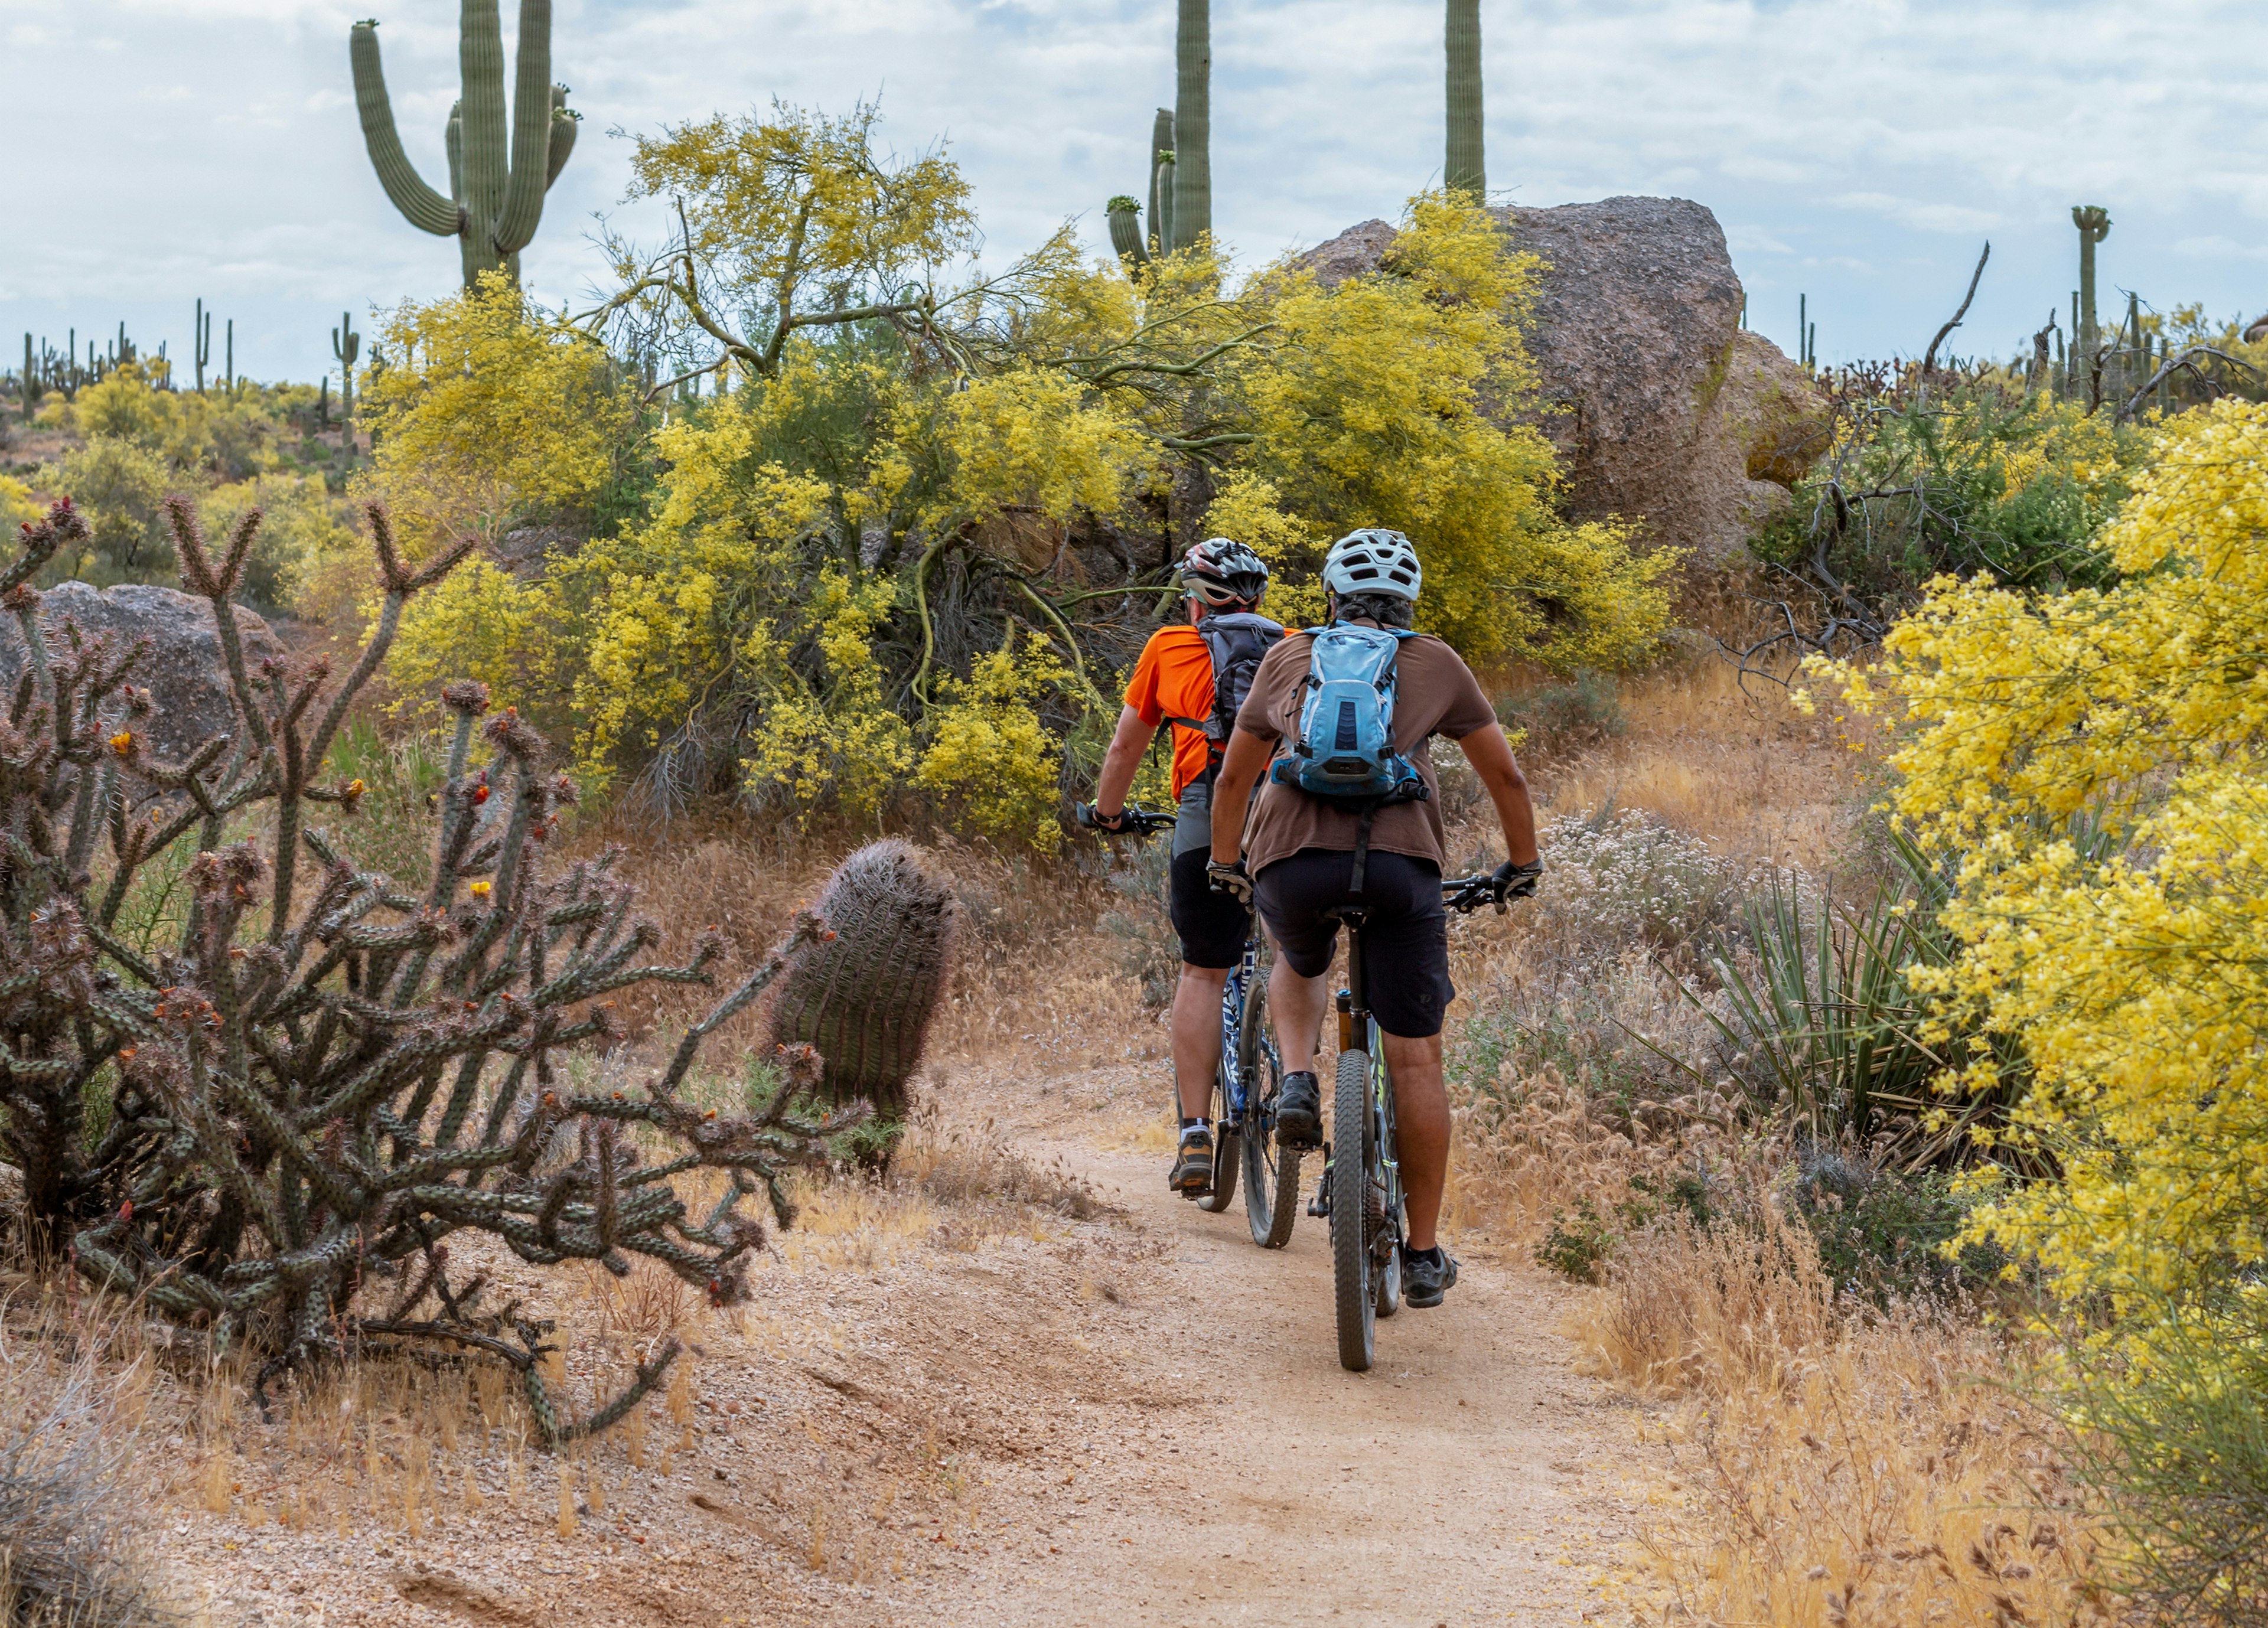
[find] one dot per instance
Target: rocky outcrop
(1666, 411)
(184, 672)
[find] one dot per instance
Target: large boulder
(184, 672)
(1666, 412)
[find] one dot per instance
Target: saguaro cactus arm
(565, 123)
(1126, 230)
(1193, 123)
(533, 102)
(420, 205)
(1467, 169)
(1162, 181)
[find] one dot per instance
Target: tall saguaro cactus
(201, 342)
(500, 166)
(1192, 217)
(2093, 223)
(346, 344)
(1466, 170)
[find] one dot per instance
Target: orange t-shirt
(1173, 678)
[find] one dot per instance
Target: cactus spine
(346, 344)
(499, 166)
(1126, 230)
(1192, 217)
(1466, 170)
(866, 996)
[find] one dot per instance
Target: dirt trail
(1471, 1476)
(978, 1414)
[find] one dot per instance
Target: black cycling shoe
(1426, 1276)
(1192, 1172)
(1299, 1112)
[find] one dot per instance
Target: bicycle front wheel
(1351, 1151)
(1226, 1157)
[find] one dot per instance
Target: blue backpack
(1344, 750)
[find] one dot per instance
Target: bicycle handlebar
(1467, 894)
(1136, 822)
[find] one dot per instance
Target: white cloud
(1854, 150)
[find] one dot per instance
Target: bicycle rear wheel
(1352, 1149)
(1272, 1171)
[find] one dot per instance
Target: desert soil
(968, 1415)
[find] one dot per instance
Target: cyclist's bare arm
(1490, 755)
(1240, 768)
(1128, 742)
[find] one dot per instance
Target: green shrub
(1579, 1244)
(1882, 1233)
(2176, 1442)
(1555, 717)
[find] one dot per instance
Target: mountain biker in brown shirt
(1295, 856)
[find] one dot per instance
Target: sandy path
(1472, 1476)
(934, 1420)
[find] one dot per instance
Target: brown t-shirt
(1435, 694)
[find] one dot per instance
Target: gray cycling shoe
(1426, 1276)
(1299, 1111)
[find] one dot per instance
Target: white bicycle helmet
(1221, 571)
(1373, 560)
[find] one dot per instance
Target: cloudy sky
(1859, 151)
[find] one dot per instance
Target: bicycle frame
(1232, 1019)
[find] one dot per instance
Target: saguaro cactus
(1466, 170)
(2093, 223)
(1193, 123)
(496, 196)
(865, 996)
(30, 384)
(346, 344)
(201, 342)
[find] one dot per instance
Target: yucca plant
(321, 1074)
(1827, 1032)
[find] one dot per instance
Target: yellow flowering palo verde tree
(904, 519)
(2097, 757)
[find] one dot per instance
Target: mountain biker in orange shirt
(1180, 682)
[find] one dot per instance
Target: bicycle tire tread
(1349, 1249)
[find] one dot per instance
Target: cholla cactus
(327, 1074)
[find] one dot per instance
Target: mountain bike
(1246, 1083)
(1361, 1186)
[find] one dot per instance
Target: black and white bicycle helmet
(1220, 571)
(1373, 560)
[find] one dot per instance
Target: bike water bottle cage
(1345, 750)
(1236, 641)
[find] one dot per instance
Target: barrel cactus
(864, 997)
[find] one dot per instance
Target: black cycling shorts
(1405, 942)
(1213, 926)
